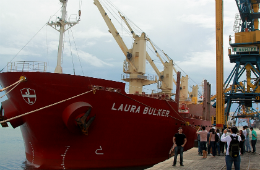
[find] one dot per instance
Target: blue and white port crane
(244, 79)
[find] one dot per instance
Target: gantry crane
(245, 53)
(245, 113)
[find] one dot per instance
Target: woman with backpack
(212, 138)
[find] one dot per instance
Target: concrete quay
(192, 161)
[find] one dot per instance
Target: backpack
(234, 147)
(216, 137)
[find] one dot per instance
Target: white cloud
(109, 41)
(92, 60)
(13, 51)
(91, 43)
(91, 33)
(200, 20)
(194, 60)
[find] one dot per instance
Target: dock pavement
(192, 161)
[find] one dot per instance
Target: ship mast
(62, 22)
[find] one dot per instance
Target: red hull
(120, 136)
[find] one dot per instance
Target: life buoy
(72, 112)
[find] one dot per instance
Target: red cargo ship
(74, 122)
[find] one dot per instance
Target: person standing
(229, 158)
(227, 134)
(199, 148)
(218, 142)
(241, 144)
(248, 147)
(222, 144)
(208, 144)
(245, 134)
(179, 141)
(254, 138)
(212, 141)
(203, 140)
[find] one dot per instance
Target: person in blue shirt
(254, 138)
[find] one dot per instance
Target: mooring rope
(27, 113)
(16, 84)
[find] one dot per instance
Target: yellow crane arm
(129, 27)
(157, 54)
(226, 90)
(168, 59)
(148, 58)
(113, 31)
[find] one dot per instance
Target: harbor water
(12, 149)
(12, 152)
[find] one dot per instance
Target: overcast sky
(185, 30)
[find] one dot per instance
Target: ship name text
(139, 109)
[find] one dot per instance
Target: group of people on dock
(214, 143)
(211, 143)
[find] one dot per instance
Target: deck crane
(134, 65)
(165, 64)
(165, 76)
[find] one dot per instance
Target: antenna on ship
(61, 22)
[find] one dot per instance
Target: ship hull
(128, 130)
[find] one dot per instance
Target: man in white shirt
(248, 147)
(229, 159)
(245, 134)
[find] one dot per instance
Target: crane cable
(77, 51)
(71, 54)
(116, 18)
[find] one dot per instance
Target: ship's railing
(146, 77)
(27, 66)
